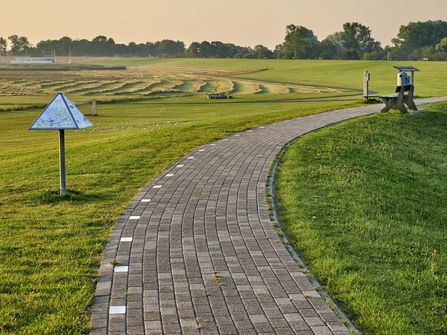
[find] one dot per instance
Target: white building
(33, 60)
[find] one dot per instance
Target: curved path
(196, 251)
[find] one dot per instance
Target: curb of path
(279, 225)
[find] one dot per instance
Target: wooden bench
(218, 96)
(399, 100)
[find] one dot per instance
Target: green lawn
(364, 203)
(50, 249)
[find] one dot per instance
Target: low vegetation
(364, 203)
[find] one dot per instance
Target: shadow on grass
(372, 101)
(49, 197)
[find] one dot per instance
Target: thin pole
(365, 85)
(63, 188)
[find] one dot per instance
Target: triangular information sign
(60, 113)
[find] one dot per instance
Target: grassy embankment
(364, 202)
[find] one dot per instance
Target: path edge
(279, 224)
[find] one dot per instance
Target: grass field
(131, 80)
(145, 78)
(344, 74)
(50, 247)
(364, 202)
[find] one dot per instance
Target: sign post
(94, 108)
(60, 114)
(63, 184)
(366, 79)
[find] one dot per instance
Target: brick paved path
(196, 251)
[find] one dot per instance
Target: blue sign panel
(61, 113)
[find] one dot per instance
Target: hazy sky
(244, 22)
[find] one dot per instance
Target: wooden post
(94, 108)
(366, 78)
(63, 188)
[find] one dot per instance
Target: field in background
(431, 81)
(27, 86)
(146, 78)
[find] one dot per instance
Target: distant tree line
(415, 41)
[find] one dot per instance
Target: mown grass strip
(364, 204)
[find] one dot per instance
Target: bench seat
(390, 96)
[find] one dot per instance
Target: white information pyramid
(60, 113)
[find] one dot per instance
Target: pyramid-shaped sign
(61, 113)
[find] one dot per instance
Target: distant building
(34, 60)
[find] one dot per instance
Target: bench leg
(386, 108)
(388, 105)
(403, 109)
(409, 100)
(400, 101)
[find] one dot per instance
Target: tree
(206, 50)
(217, 49)
(3, 45)
(354, 42)
(134, 49)
(102, 46)
(65, 45)
(299, 43)
(419, 40)
(332, 46)
(193, 50)
(262, 52)
(220, 50)
(45, 47)
(375, 55)
(442, 45)
(429, 53)
(60, 47)
(350, 54)
(416, 35)
(19, 45)
(169, 48)
(357, 40)
(81, 48)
